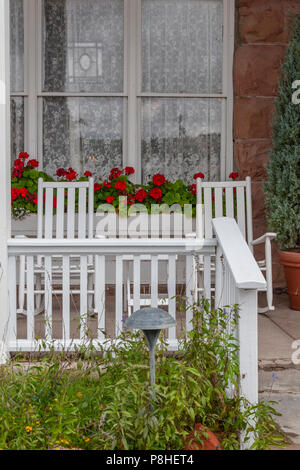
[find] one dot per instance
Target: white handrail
(241, 262)
(34, 246)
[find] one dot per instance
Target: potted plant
(283, 186)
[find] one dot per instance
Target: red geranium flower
(120, 185)
(155, 193)
(61, 172)
(23, 155)
(17, 173)
(19, 165)
(198, 175)
(14, 193)
(97, 187)
(109, 199)
(140, 195)
(54, 202)
(88, 174)
(71, 175)
(107, 185)
(23, 192)
(32, 163)
(35, 200)
(234, 176)
(158, 179)
(114, 173)
(193, 188)
(129, 170)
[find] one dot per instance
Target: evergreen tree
(283, 186)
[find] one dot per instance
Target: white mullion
(26, 47)
(132, 159)
(228, 51)
(39, 48)
(18, 93)
(125, 82)
(39, 83)
(180, 95)
(138, 54)
(224, 138)
(79, 94)
(30, 28)
(40, 146)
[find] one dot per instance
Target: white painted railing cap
(241, 261)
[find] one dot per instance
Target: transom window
(97, 84)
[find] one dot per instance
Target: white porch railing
(235, 280)
(109, 257)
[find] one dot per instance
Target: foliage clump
(283, 186)
(105, 403)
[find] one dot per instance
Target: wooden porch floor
(57, 322)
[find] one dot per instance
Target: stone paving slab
(273, 342)
(279, 381)
(288, 405)
(286, 318)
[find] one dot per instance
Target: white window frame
(131, 94)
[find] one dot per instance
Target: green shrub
(283, 186)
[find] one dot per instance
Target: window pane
(181, 137)
(16, 45)
(83, 45)
(182, 46)
(84, 133)
(17, 126)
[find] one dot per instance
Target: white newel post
(4, 173)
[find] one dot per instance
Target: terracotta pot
(210, 442)
(290, 260)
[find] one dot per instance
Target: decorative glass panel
(180, 137)
(84, 133)
(16, 45)
(17, 126)
(83, 45)
(182, 46)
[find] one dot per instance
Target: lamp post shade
(150, 319)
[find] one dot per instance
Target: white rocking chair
(233, 199)
(60, 222)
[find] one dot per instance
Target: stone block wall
(261, 38)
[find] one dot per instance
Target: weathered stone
(256, 69)
(258, 200)
(261, 21)
(253, 117)
(251, 156)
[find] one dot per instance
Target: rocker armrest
(262, 239)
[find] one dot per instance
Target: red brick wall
(261, 39)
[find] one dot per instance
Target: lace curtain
(83, 43)
(85, 133)
(181, 53)
(17, 76)
(182, 46)
(181, 136)
(17, 126)
(16, 45)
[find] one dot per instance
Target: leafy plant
(158, 195)
(24, 185)
(283, 186)
(104, 403)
